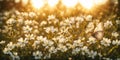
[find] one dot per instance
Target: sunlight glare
(52, 2)
(69, 3)
(87, 3)
(37, 3)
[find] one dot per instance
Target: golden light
(100, 2)
(69, 3)
(87, 3)
(52, 2)
(37, 3)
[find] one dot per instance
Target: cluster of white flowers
(47, 36)
(37, 54)
(91, 40)
(108, 24)
(106, 42)
(115, 34)
(116, 42)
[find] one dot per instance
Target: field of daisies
(33, 35)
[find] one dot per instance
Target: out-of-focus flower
(107, 58)
(52, 49)
(91, 40)
(11, 21)
(36, 44)
(20, 21)
(43, 23)
(76, 51)
(47, 56)
(37, 54)
(116, 42)
(92, 54)
(10, 45)
(28, 22)
(2, 42)
(84, 50)
(90, 27)
(79, 19)
(36, 31)
(108, 24)
(30, 36)
(99, 27)
(62, 48)
(118, 21)
(21, 42)
(51, 17)
(115, 34)
(27, 29)
(15, 55)
(77, 43)
(6, 50)
(89, 18)
(50, 29)
(32, 14)
(106, 42)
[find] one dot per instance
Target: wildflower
(79, 19)
(27, 29)
(84, 50)
(116, 42)
(62, 48)
(76, 51)
(20, 21)
(90, 27)
(10, 46)
(108, 24)
(11, 21)
(52, 49)
(99, 27)
(30, 36)
(28, 22)
(115, 34)
(106, 42)
(6, 50)
(118, 21)
(2, 42)
(51, 17)
(36, 43)
(47, 56)
(37, 55)
(32, 14)
(89, 18)
(91, 40)
(21, 42)
(15, 56)
(50, 29)
(92, 54)
(43, 23)
(78, 43)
